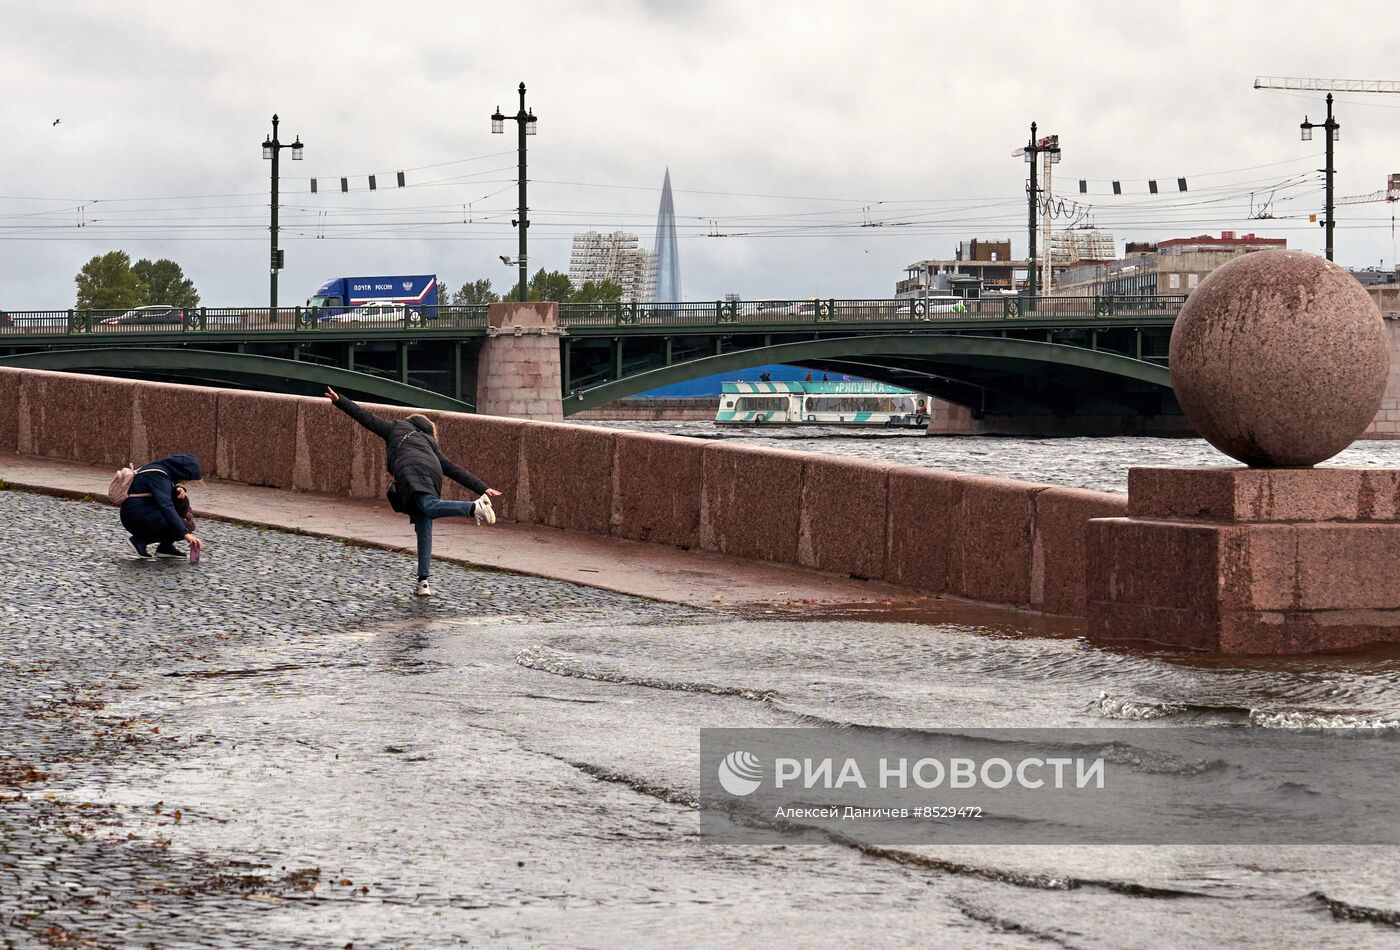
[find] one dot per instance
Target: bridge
(1022, 357)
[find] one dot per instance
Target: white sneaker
(484, 512)
(424, 589)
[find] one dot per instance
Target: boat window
(860, 404)
(762, 404)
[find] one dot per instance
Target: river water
(1098, 463)
(499, 772)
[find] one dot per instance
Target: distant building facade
(1175, 266)
(979, 267)
(1383, 286)
(617, 257)
(1375, 276)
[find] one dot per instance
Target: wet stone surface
(282, 747)
(93, 645)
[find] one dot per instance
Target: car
(384, 313)
(149, 315)
(924, 307)
(6, 320)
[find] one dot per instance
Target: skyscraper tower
(668, 265)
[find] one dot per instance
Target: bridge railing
(238, 320)
(720, 314)
(909, 310)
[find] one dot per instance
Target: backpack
(120, 489)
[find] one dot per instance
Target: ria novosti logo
(740, 773)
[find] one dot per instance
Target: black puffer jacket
(414, 458)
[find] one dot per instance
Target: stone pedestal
(519, 373)
(1260, 561)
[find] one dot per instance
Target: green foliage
(475, 292)
(111, 282)
(606, 291)
(166, 283)
(107, 282)
(550, 285)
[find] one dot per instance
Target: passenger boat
(827, 403)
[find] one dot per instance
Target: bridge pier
(518, 373)
(948, 418)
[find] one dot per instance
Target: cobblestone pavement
(86, 630)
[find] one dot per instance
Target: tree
(550, 285)
(107, 282)
(166, 283)
(606, 291)
(476, 292)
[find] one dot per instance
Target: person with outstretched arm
(417, 465)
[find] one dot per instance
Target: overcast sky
(786, 126)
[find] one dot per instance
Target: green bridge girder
(242, 369)
(945, 362)
(1062, 356)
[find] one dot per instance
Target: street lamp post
(1049, 145)
(1331, 128)
(525, 121)
(271, 147)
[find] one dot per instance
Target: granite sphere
(1280, 359)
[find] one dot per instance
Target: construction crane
(1326, 85)
(1389, 195)
(1330, 127)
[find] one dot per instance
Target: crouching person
(151, 509)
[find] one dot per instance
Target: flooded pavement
(1100, 464)
(282, 748)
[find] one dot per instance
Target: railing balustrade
(737, 314)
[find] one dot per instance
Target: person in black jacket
(417, 465)
(151, 511)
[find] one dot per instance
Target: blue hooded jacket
(160, 486)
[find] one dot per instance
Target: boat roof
(844, 388)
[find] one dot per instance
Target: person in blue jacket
(149, 511)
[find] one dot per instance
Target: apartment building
(616, 256)
(1175, 266)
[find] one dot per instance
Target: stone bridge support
(519, 374)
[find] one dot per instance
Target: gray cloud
(911, 109)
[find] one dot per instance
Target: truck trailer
(340, 294)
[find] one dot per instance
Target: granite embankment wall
(986, 539)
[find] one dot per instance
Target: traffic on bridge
(724, 315)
